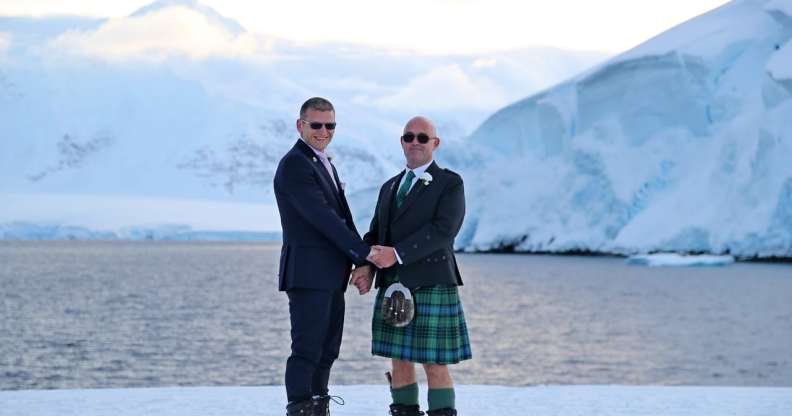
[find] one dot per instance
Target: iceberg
(674, 259)
(680, 145)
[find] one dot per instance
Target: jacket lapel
(342, 195)
(415, 192)
(318, 166)
(387, 201)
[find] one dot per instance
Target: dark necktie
(401, 195)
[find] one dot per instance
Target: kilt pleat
(437, 335)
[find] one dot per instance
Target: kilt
(437, 335)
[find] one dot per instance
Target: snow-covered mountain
(178, 106)
(175, 116)
(682, 144)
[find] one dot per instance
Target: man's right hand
(362, 278)
(382, 256)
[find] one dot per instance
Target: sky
(439, 26)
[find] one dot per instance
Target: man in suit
(419, 213)
(320, 245)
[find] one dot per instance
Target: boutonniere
(314, 159)
(426, 177)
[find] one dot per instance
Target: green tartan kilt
(437, 335)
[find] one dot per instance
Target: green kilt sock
(406, 395)
(441, 398)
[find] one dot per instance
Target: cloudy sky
(438, 26)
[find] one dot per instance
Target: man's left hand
(362, 278)
(382, 256)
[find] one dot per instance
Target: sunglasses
(408, 137)
(317, 126)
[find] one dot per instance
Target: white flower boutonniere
(315, 159)
(426, 177)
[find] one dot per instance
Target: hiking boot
(442, 412)
(301, 408)
(405, 410)
(322, 404)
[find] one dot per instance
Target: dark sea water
(145, 314)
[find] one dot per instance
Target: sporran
(398, 308)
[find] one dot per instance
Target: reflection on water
(131, 314)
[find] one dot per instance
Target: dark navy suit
(320, 244)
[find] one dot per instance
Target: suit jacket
(320, 242)
(422, 230)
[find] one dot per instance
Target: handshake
(382, 256)
(363, 276)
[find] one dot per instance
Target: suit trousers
(317, 323)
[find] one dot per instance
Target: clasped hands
(363, 276)
(382, 256)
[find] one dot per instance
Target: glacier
(678, 145)
(681, 144)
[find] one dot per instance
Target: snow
(177, 105)
(5, 42)
(373, 400)
(229, 25)
(781, 6)
(780, 65)
(172, 232)
(679, 145)
(103, 213)
(674, 259)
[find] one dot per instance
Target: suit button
(444, 257)
(415, 245)
(428, 260)
(428, 237)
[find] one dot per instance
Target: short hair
(316, 103)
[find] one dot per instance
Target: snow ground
(371, 400)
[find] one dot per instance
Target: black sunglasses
(317, 126)
(408, 137)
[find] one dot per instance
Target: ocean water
(150, 314)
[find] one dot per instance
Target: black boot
(322, 404)
(405, 410)
(442, 412)
(301, 408)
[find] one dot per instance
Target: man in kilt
(419, 213)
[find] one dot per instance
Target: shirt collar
(319, 153)
(419, 170)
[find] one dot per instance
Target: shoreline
(511, 251)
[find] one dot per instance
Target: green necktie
(404, 188)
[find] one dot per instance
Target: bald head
(421, 123)
(417, 153)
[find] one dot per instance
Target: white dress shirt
(325, 162)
